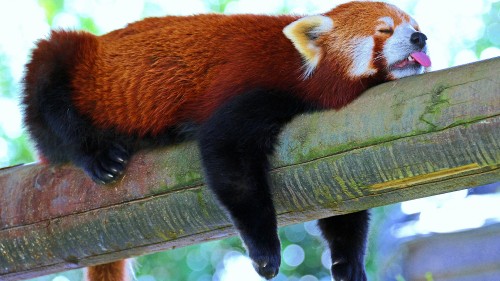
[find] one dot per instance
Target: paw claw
(265, 262)
(343, 270)
(265, 270)
(107, 165)
(119, 159)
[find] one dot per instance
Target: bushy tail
(115, 271)
(48, 85)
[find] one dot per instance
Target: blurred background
(402, 235)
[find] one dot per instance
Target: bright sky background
(452, 26)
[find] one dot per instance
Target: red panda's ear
(303, 34)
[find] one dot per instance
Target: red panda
(230, 82)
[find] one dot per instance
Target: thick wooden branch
(411, 138)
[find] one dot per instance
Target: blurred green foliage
(18, 148)
(52, 8)
(218, 6)
(491, 35)
(198, 261)
(5, 77)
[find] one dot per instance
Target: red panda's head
(361, 39)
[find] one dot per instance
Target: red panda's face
(361, 39)
(404, 48)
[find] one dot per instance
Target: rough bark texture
(407, 139)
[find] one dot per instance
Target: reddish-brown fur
(162, 71)
(148, 78)
(115, 271)
(366, 17)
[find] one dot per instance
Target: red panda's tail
(115, 271)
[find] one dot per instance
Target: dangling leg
(346, 236)
(234, 144)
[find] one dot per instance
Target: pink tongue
(421, 58)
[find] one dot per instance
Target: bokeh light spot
(293, 255)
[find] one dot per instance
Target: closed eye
(385, 31)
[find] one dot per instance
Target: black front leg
(234, 144)
(346, 236)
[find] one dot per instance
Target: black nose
(418, 38)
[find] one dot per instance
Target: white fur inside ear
(303, 33)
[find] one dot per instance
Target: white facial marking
(387, 20)
(400, 73)
(413, 22)
(362, 54)
(399, 47)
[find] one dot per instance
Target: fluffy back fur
(164, 71)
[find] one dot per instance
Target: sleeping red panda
(231, 82)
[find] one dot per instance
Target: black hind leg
(346, 236)
(59, 131)
(101, 154)
(234, 145)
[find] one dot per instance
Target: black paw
(266, 263)
(348, 271)
(108, 165)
